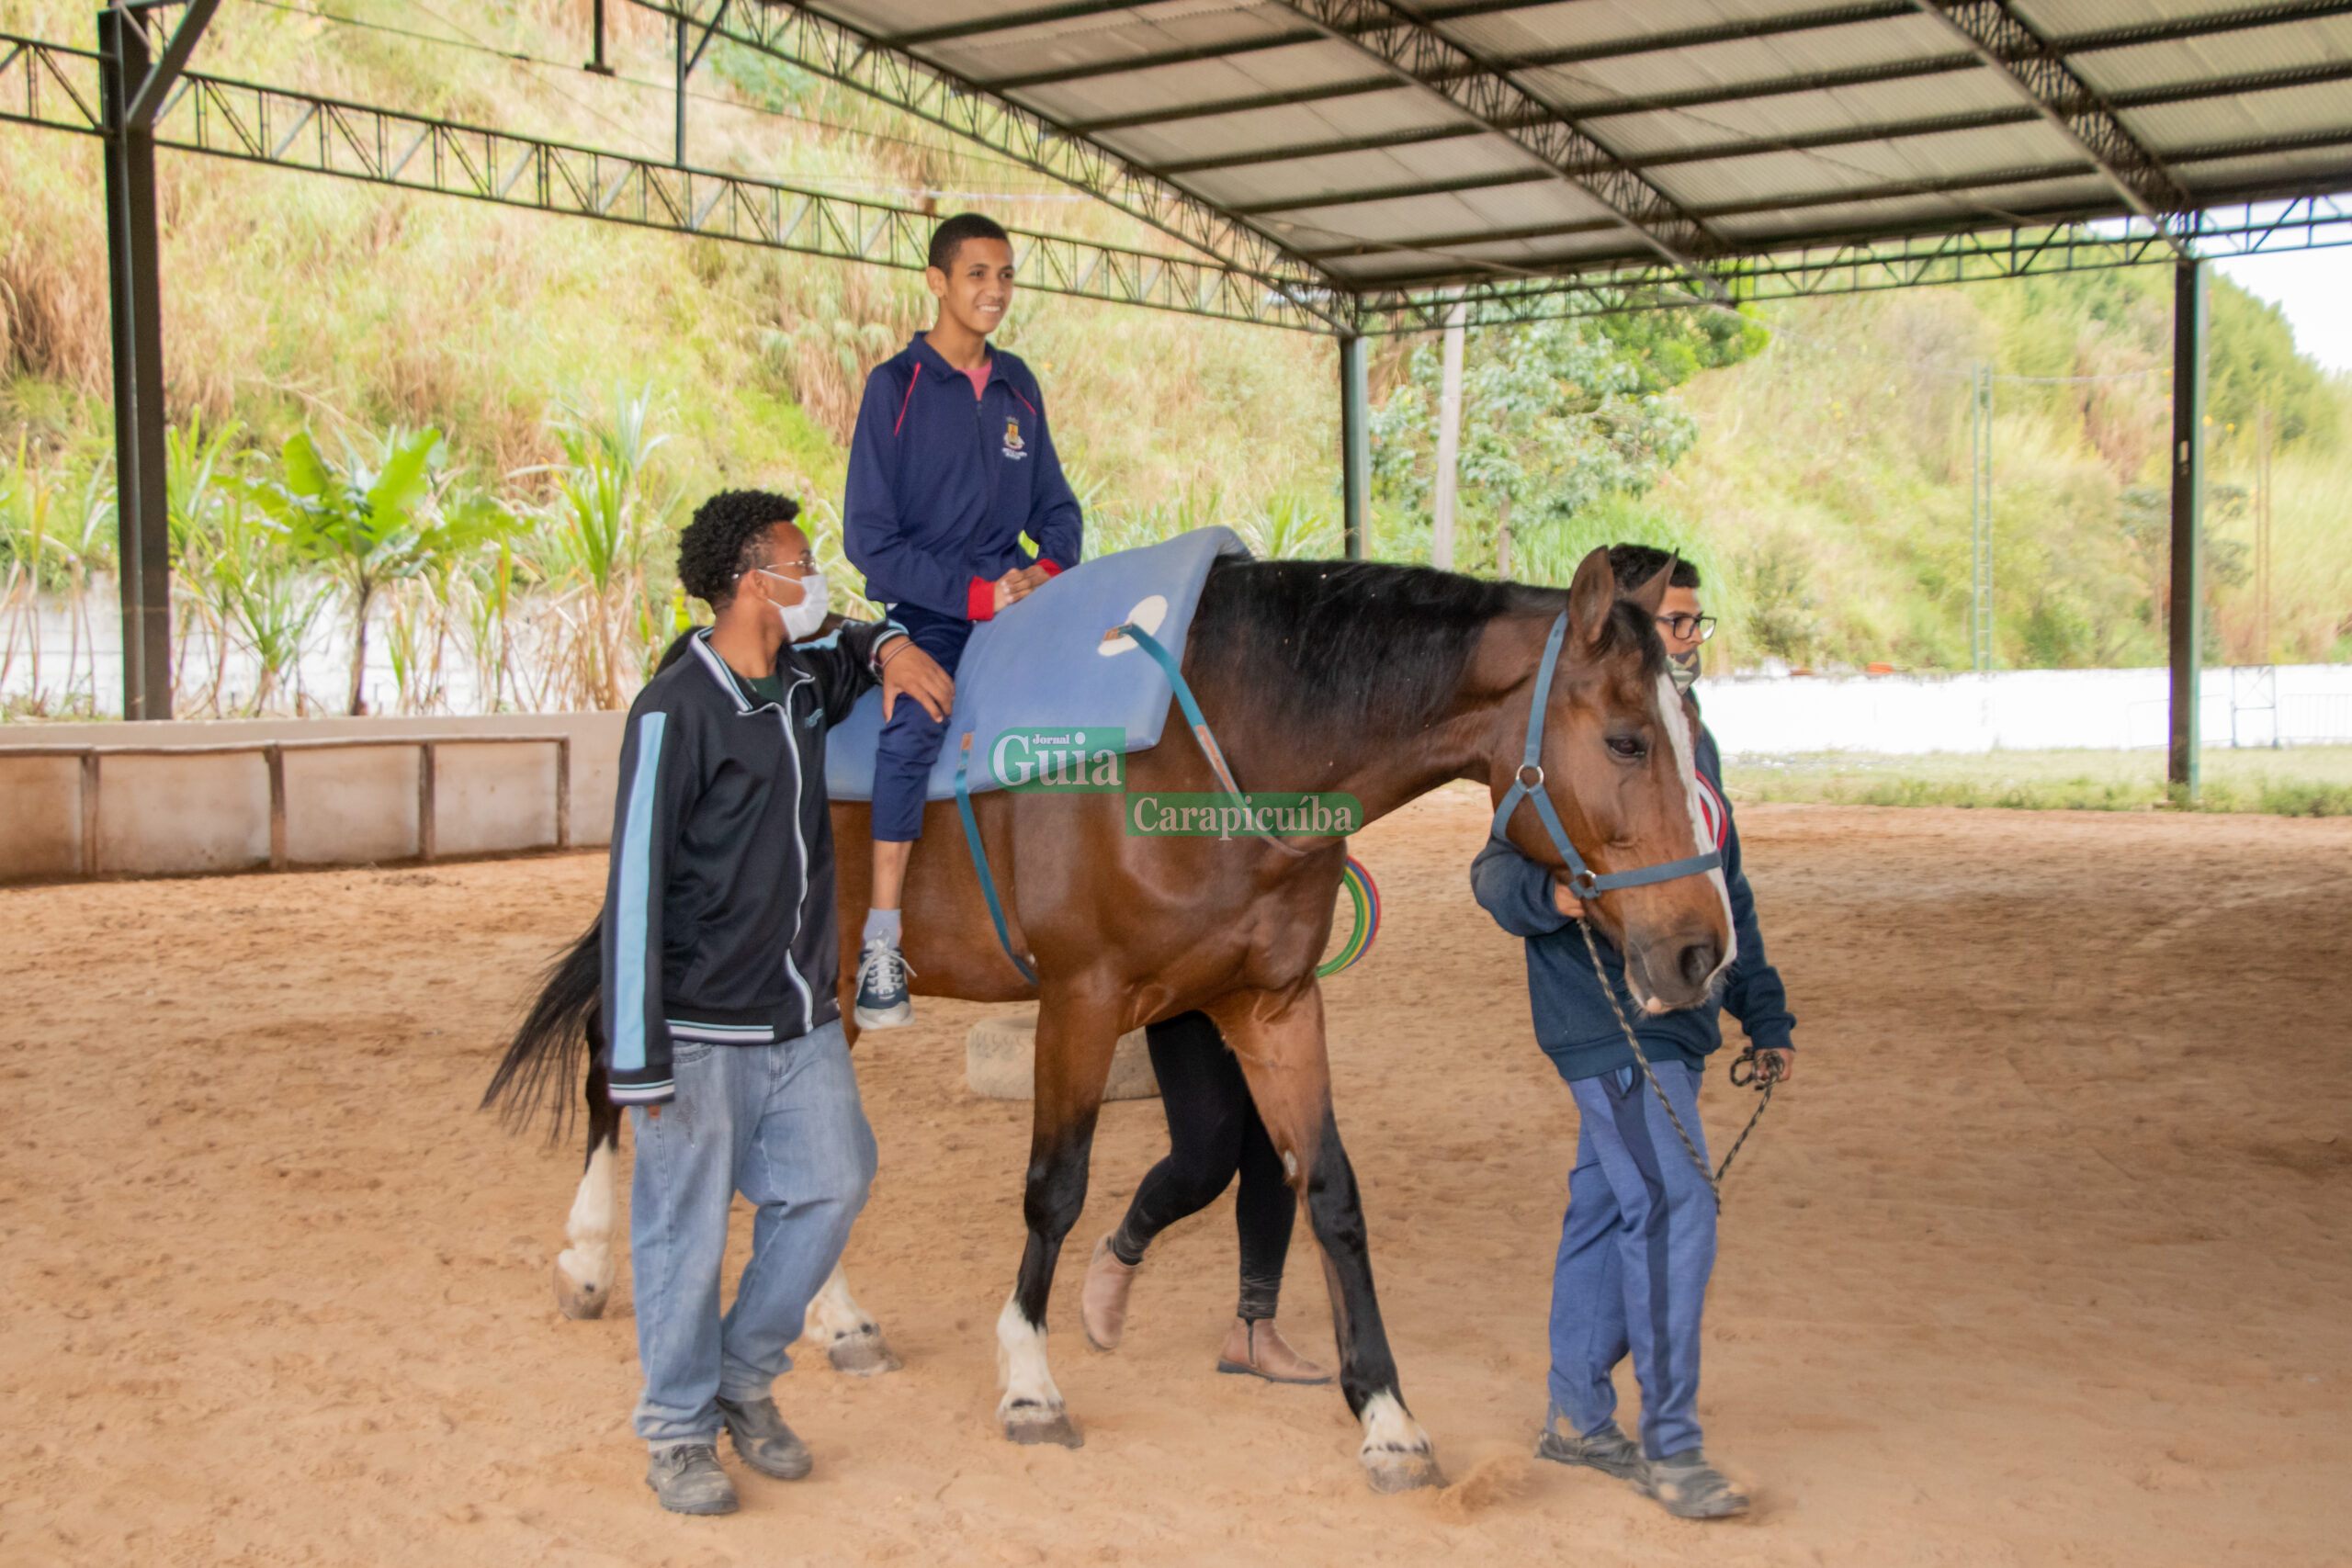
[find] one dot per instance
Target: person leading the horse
(950, 465)
(723, 1027)
(1639, 1240)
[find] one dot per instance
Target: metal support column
(1980, 595)
(131, 90)
(2188, 512)
(687, 59)
(685, 68)
(1355, 445)
(1449, 440)
(595, 62)
(136, 303)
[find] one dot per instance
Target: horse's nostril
(1698, 962)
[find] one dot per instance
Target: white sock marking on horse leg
(588, 1261)
(1686, 763)
(1020, 1366)
(1388, 1428)
(834, 1313)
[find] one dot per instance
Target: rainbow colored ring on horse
(1341, 677)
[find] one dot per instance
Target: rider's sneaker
(883, 1000)
(1691, 1488)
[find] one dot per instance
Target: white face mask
(802, 620)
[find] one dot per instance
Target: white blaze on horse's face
(1675, 721)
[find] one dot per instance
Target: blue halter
(1583, 881)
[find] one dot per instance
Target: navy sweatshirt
(1573, 1020)
(943, 485)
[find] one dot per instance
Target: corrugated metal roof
(1466, 140)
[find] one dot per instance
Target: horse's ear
(1590, 594)
(1651, 594)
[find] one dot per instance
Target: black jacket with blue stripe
(719, 906)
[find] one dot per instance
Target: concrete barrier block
(41, 801)
(177, 814)
(596, 782)
(494, 799)
(349, 805)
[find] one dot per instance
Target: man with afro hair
(723, 1033)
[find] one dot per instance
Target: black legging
(1212, 1132)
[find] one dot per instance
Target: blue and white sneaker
(883, 1000)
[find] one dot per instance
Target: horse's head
(1620, 766)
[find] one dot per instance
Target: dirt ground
(2046, 1255)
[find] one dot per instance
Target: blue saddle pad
(1044, 665)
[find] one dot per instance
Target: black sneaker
(763, 1441)
(883, 1001)
(688, 1481)
(1691, 1488)
(1608, 1450)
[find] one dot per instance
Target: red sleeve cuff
(1049, 568)
(979, 600)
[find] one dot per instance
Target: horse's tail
(542, 1067)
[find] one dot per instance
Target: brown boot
(1258, 1349)
(1102, 1300)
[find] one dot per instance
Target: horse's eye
(1630, 747)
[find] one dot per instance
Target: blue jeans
(911, 738)
(781, 1124)
(1635, 1251)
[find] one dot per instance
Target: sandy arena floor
(2045, 1258)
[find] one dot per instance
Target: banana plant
(365, 520)
(601, 520)
(266, 603)
(199, 473)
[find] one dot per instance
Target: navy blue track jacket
(942, 486)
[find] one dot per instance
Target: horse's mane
(1365, 646)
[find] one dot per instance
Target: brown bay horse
(1343, 679)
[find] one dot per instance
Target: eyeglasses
(1689, 629)
(804, 567)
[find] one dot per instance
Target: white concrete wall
(193, 812)
(174, 815)
(2020, 710)
(40, 817)
(351, 805)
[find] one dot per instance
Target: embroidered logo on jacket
(1013, 445)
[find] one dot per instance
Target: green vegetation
(590, 382)
(2302, 780)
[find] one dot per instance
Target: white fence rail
(2024, 710)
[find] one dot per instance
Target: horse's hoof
(1028, 1426)
(576, 1301)
(865, 1354)
(1391, 1471)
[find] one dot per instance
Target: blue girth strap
(1583, 881)
(980, 858)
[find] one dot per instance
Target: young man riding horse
(950, 465)
(1639, 1240)
(722, 1030)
